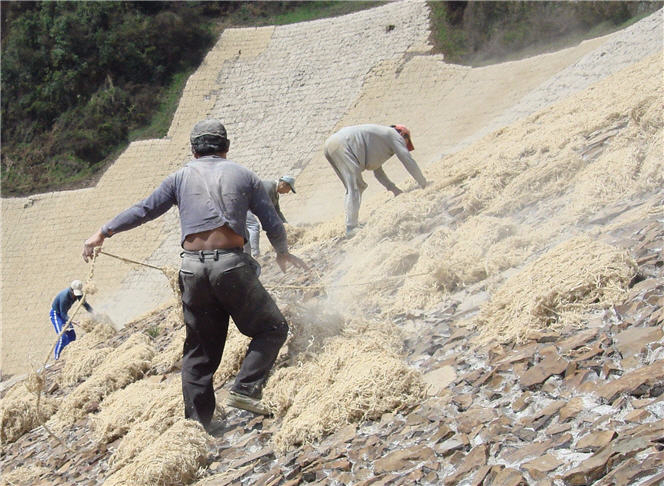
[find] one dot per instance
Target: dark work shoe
(245, 402)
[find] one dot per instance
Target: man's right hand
(91, 243)
(284, 258)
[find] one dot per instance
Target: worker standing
(217, 278)
(284, 185)
(59, 314)
(357, 148)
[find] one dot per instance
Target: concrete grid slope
(279, 90)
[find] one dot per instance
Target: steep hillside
(503, 326)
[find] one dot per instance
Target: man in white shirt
(367, 147)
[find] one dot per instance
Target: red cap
(405, 133)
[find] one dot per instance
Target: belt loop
(201, 256)
(216, 255)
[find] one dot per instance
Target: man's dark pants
(212, 290)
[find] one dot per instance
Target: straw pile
(162, 408)
(24, 475)
(357, 376)
(557, 290)
(122, 408)
(172, 459)
(122, 366)
(168, 359)
(20, 414)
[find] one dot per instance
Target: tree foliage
(78, 76)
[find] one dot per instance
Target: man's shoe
(216, 428)
(245, 402)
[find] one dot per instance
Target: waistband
(203, 255)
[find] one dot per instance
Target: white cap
(77, 287)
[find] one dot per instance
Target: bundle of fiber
(27, 475)
(122, 408)
(168, 359)
(357, 376)
(234, 351)
(451, 259)
(557, 290)
(163, 408)
(172, 459)
(80, 362)
(20, 413)
(124, 365)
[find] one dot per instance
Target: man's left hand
(284, 258)
(91, 243)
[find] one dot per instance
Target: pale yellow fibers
(164, 407)
(166, 360)
(122, 408)
(27, 475)
(19, 411)
(556, 290)
(124, 365)
(172, 459)
(357, 376)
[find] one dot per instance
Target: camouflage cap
(210, 127)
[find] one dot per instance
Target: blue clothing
(59, 317)
(68, 336)
(63, 302)
(210, 192)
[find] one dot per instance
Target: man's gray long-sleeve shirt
(210, 192)
(271, 189)
(371, 145)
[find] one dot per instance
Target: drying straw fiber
(555, 291)
(20, 414)
(172, 459)
(163, 408)
(122, 366)
(166, 360)
(358, 375)
(24, 475)
(122, 408)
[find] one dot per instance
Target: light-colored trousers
(254, 230)
(349, 171)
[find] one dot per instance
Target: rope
(127, 260)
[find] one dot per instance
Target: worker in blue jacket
(59, 313)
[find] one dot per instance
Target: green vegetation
(478, 33)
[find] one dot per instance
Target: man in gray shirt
(217, 278)
(367, 147)
(284, 185)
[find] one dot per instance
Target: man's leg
(350, 175)
(256, 315)
(68, 336)
(207, 326)
(254, 228)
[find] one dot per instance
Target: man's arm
(386, 182)
(261, 205)
(153, 206)
(409, 163)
